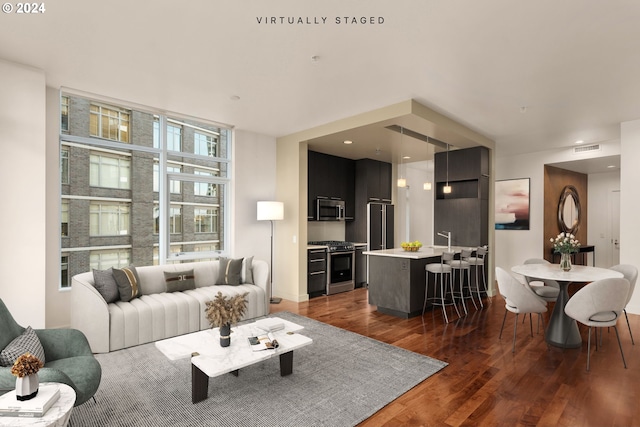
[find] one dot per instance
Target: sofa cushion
(27, 342)
(230, 271)
(247, 271)
(179, 280)
(106, 285)
(128, 283)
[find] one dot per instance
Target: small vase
(27, 387)
(225, 335)
(565, 262)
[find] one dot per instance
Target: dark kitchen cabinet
(373, 181)
(330, 177)
(464, 211)
(316, 272)
(373, 184)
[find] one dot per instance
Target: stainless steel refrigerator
(379, 226)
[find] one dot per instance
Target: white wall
(414, 205)
(22, 173)
(254, 179)
(629, 201)
(601, 186)
(512, 247)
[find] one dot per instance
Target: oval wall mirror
(569, 210)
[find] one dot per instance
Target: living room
(30, 132)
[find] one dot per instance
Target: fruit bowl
(411, 246)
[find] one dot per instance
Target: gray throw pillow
(27, 342)
(106, 285)
(230, 271)
(179, 280)
(247, 271)
(128, 283)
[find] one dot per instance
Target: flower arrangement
(26, 365)
(565, 243)
(223, 310)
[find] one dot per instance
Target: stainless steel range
(340, 267)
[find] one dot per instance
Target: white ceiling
(529, 74)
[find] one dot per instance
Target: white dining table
(562, 330)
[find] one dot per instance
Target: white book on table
(47, 395)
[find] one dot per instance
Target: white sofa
(158, 314)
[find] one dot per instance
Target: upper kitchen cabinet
(330, 177)
(465, 210)
(373, 181)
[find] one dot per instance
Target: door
(614, 218)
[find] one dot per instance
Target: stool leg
(426, 293)
(453, 297)
(478, 286)
(461, 288)
(468, 271)
(444, 307)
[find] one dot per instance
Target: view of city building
(138, 187)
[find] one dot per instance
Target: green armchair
(68, 357)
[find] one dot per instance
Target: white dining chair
(519, 299)
(549, 290)
(630, 273)
(599, 304)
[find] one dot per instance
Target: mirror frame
(569, 190)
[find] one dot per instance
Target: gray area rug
(340, 380)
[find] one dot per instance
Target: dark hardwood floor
(485, 383)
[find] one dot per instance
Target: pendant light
(427, 184)
(402, 182)
(447, 188)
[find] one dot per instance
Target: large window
(141, 186)
(205, 144)
(109, 123)
(108, 219)
(110, 171)
(206, 220)
(103, 259)
(64, 165)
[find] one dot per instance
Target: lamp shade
(270, 211)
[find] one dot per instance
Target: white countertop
(424, 252)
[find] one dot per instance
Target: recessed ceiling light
(523, 109)
(579, 141)
(611, 166)
(234, 98)
(348, 142)
(406, 157)
(315, 58)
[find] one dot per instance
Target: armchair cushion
(27, 342)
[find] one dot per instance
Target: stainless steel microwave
(329, 210)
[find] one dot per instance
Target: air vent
(586, 149)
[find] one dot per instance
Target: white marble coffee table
(213, 360)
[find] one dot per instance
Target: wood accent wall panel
(555, 179)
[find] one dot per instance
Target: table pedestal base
(562, 330)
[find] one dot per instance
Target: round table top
(57, 415)
(578, 273)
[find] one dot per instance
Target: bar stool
(439, 270)
(478, 262)
(462, 267)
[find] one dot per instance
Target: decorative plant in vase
(223, 311)
(26, 368)
(565, 244)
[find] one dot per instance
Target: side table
(58, 415)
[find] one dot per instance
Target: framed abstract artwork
(512, 204)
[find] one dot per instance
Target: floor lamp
(271, 211)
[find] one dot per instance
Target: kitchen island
(397, 278)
